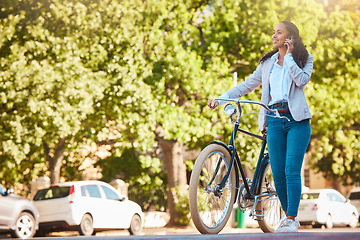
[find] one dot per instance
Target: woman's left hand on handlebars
(212, 103)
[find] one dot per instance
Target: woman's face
(279, 36)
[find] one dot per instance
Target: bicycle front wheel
(270, 206)
(210, 207)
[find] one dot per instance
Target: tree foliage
(335, 98)
(127, 73)
(47, 87)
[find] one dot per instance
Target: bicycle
(216, 177)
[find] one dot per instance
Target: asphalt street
(190, 233)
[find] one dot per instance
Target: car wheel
(329, 222)
(86, 227)
(135, 225)
(353, 221)
(25, 226)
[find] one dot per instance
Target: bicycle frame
(255, 191)
(263, 161)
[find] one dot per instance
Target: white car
(17, 215)
(86, 206)
(354, 198)
(326, 207)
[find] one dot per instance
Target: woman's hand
(289, 43)
(212, 103)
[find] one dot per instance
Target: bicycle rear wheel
(211, 207)
(270, 206)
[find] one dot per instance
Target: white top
(279, 77)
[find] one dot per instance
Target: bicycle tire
(210, 213)
(270, 208)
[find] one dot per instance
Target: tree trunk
(55, 162)
(176, 174)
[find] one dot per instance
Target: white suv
(86, 206)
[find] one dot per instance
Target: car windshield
(306, 196)
(355, 196)
(51, 193)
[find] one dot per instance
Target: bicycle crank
(242, 200)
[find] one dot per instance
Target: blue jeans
(287, 143)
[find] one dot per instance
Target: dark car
(17, 215)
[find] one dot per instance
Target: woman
(283, 73)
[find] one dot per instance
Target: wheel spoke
(213, 206)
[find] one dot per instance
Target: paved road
(247, 236)
(191, 233)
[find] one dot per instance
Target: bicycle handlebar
(237, 100)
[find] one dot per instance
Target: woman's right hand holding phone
(289, 44)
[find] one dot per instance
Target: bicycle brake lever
(285, 118)
(277, 115)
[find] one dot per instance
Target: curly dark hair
(300, 54)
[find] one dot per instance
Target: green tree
(136, 75)
(162, 104)
(179, 88)
(335, 98)
(48, 88)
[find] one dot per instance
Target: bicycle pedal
(259, 218)
(258, 215)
